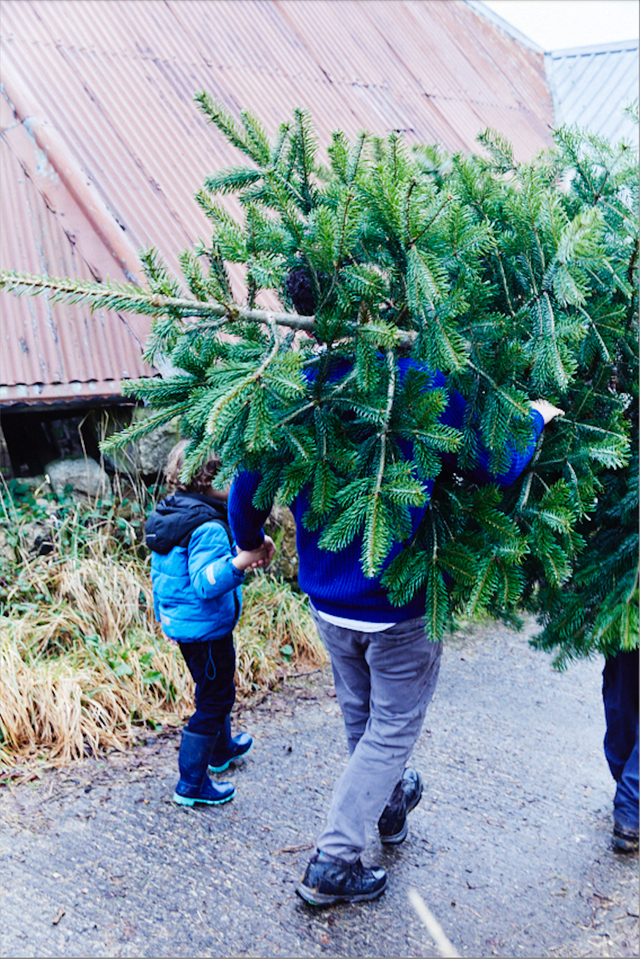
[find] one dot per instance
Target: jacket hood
(175, 518)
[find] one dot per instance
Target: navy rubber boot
(194, 785)
(228, 748)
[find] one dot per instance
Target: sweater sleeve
(245, 520)
(210, 568)
(453, 415)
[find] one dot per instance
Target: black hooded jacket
(175, 518)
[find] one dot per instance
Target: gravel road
(510, 846)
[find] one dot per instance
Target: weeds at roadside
(83, 665)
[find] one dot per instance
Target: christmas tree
(516, 280)
(598, 608)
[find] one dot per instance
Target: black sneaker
(392, 824)
(328, 880)
(625, 838)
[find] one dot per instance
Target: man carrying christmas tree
(385, 668)
(516, 280)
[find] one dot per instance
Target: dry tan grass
(84, 666)
(274, 618)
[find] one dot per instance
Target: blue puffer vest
(196, 587)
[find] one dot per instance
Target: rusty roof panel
(64, 347)
(107, 131)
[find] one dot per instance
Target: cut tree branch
(130, 299)
(101, 296)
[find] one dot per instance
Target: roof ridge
(75, 180)
(503, 24)
(618, 46)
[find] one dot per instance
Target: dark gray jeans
(384, 683)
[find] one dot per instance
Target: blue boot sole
(188, 801)
(221, 769)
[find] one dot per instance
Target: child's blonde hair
(200, 481)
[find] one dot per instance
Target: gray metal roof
(591, 86)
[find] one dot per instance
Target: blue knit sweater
(335, 582)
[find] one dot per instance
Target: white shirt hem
(360, 625)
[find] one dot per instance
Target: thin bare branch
(443, 944)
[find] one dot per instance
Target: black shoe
(228, 748)
(392, 824)
(625, 838)
(328, 880)
(194, 785)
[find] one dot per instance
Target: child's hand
(251, 558)
(255, 558)
(268, 549)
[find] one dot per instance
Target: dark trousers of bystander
(620, 694)
(212, 665)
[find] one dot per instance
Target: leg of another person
(620, 694)
(625, 804)
(403, 665)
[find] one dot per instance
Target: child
(196, 573)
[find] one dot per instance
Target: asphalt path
(510, 846)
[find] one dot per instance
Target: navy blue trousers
(620, 694)
(213, 667)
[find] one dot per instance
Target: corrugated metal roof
(591, 86)
(105, 131)
(55, 353)
(503, 24)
